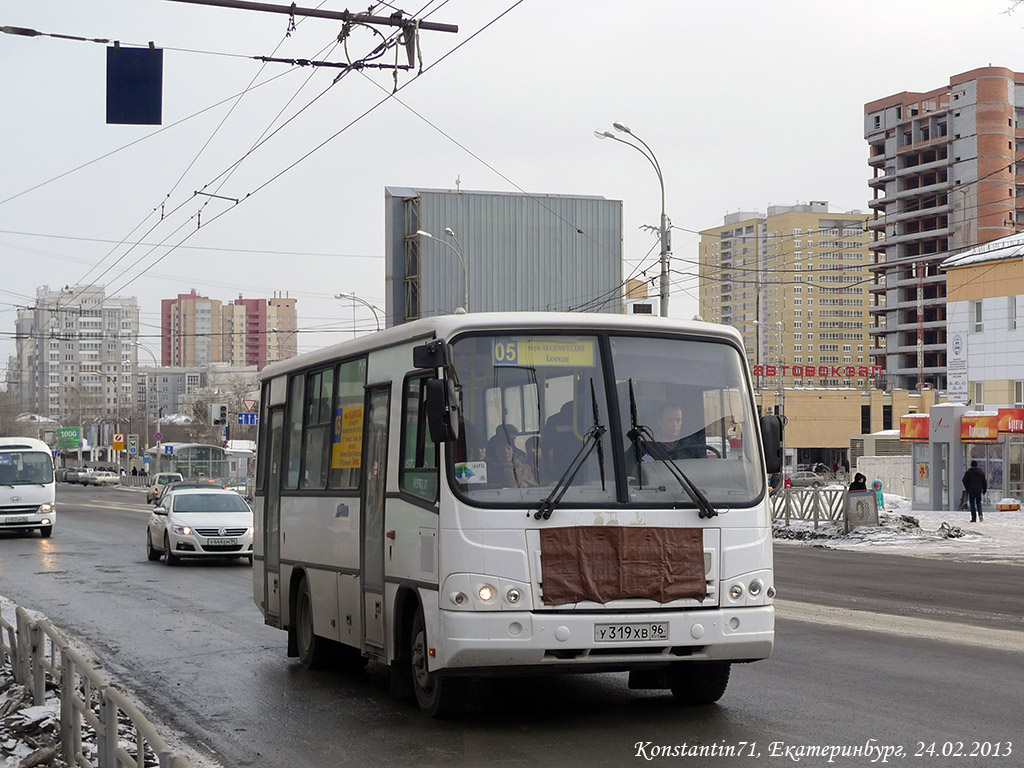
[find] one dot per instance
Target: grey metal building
(498, 251)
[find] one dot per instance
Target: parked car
(806, 479)
(159, 480)
(200, 522)
(181, 484)
(85, 478)
(104, 478)
(73, 474)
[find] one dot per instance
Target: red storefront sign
(822, 371)
(914, 429)
(1011, 421)
(979, 428)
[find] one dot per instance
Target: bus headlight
(755, 587)
(736, 591)
(44, 508)
(486, 593)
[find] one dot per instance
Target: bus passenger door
(272, 523)
(375, 460)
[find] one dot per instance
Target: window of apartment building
(978, 392)
(1011, 313)
(1018, 394)
(976, 315)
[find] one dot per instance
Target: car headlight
(182, 530)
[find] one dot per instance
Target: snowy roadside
(903, 531)
(29, 734)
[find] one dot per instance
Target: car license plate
(221, 542)
(618, 633)
(16, 520)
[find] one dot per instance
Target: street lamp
(353, 298)
(665, 229)
(462, 260)
(145, 406)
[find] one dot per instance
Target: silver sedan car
(200, 522)
(806, 479)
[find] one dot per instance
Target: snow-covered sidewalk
(903, 531)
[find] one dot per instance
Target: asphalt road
(896, 650)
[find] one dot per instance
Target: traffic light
(219, 414)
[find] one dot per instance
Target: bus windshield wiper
(591, 440)
(643, 441)
(657, 451)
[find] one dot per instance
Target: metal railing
(36, 651)
(815, 504)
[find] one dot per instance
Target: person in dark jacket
(976, 484)
(860, 483)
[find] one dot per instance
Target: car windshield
(208, 502)
(532, 404)
(25, 468)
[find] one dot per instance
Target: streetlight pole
(145, 406)
(462, 260)
(353, 298)
(665, 227)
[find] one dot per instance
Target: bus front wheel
(437, 696)
(699, 682)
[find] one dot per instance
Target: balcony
(913, 237)
(911, 170)
(939, 186)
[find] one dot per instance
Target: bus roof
(23, 444)
(447, 326)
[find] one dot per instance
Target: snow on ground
(904, 531)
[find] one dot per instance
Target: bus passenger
(506, 465)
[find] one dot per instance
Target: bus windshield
(534, 405)
(25, 468)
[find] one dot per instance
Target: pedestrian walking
(976, 485)
(860, 483)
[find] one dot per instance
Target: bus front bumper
(510, 639)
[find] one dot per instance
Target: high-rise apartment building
(948, 174)
(77, 354)
(795, 283)
(199, 331)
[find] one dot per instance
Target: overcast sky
(746, 104)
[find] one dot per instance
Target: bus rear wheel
(699, 682)
(437, 696)
(314, 652)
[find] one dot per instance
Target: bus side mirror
(771, 439)
(433, 354)
(442, 410)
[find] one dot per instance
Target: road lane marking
(904, 626)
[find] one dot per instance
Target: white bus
(510, 493)
(27, 486)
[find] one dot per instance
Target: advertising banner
(914, 429)
(979, 428)
(1011, 421)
